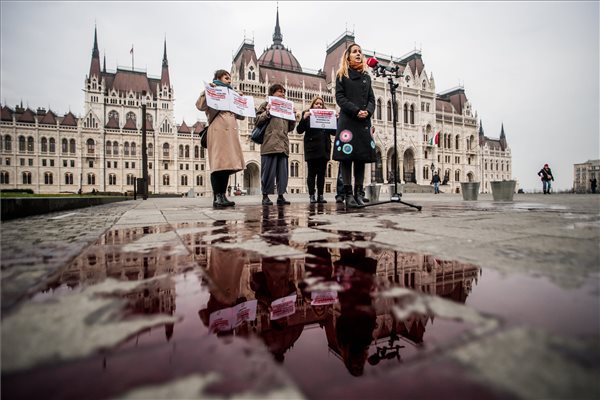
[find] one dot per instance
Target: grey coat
(276, 139)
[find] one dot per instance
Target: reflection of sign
(281, 108)
(323, 298)
(283, 307)
(221, 98)
(324, 119)
(232, 317)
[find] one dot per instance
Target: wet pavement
(170, 298)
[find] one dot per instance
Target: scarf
(357, 66)
(219, 83)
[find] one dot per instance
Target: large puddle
(328, 307)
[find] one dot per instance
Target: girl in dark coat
(317, 151)
(354, 143)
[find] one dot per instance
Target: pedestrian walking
(436, 183)
(547, 178)
(593, 184)
(225, 155)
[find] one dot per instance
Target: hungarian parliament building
(101, 150)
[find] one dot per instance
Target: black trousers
(359, 172)
(316, 171)
(219, 180)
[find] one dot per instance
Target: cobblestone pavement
(170, 298)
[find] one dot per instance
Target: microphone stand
(390, 73)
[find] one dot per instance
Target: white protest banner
(245, 311)
(217, 98)
(323, 298)
(320, 118)
(241, 105)
(283, 307)
(220, 320)
(282, 108)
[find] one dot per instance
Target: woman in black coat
(317, 151)
(354, 143)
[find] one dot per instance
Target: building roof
(69, 120)
(334, 54)
(198, 126)
(6, 114)
(443, 106)
(183, 128)
(278, 56)
(112, 123)
(312, 82)
(49, 118)
(27, 116)
(130, 125)
(456, 96)
(125, 80)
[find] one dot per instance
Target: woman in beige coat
(225, 155)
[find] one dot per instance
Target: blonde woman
(317, 151)
(354, 145)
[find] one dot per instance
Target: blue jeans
(547, 185)
(436, 187)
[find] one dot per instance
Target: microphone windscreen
(372, 62)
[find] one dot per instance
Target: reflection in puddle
(303, 309)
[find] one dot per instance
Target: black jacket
(317, 141)
(546, 174)
(353, 139)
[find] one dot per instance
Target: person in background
(547, 178)
(317, 151)
(225, 155)
(354, 145)
(436, 183)
(593, 184)
(275, 149)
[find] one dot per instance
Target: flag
(434, 139)
(131, 51)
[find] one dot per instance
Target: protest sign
(282, 108)
(324, 119)
(242, 105)
(283, 307)
(217, 98)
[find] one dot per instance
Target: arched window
(184, 180)
(457, 175)
(166, 180)
(91, 179)
(115, 148)
(166, 150)
(294, 169)
(113, 114)
(44, 145)
(68, 178)
(52, 145)
(202, 153)
(196, 152)
(329, 174)
(4, 177)
(48, 180)
(187, 151)
(72, 146)
(425, 172)
(30, 144)
(412, 114)
(457, 142)
(199, 180)
(406, 113)
(150, 150)
(64, 148)
(7, 143)
(22, 144)
(91, 146)
(130, 115)
(126, 148)
(26, 178)
(379, 109)
(108, 147)
(131, 179)
(180, 151)
(133, 149)
(112, 179)
(389, 110)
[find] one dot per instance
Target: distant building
(496, 159)
(583, 173)
(102, 149)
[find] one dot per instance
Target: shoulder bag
(204, 134)
(258, 133)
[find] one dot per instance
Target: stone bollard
(503, 190)
(469, 190)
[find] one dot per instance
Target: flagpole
(132, 57)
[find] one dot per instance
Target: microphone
(381, 69)
(372, 62)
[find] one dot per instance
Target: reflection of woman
(354, 144)
(356, 322)
(224, 150)
(317, 151)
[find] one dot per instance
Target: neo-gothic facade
(102, 149)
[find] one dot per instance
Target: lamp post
(144, 153)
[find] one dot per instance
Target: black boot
(359, 195)
(321, 199)
(218, 202)
(226, 201)
(266, 201)
(313, 199)
(281, 200)
(349, 199)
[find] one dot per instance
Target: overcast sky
(533, 66)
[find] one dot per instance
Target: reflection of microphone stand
(388, 352)
(392, 72)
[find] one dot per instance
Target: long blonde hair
(344, 64)
(315, 100)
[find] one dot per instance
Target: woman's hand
(212, 85)
(362, 114)
(306, 114)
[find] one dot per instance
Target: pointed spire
(480, 128)
(164, 76)
(502, 135)
(95, 64)
(277, 36)
(104, 64)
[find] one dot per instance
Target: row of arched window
(499, 166)
(47, 145)
(409, 112)
(112, 148)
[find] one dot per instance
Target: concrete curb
(24, 207)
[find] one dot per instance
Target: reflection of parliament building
(101, 150)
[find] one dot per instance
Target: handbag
(204, 134)
(258, 133)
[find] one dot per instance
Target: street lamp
(144, 154)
